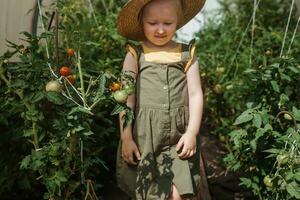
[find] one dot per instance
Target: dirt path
(223, 185)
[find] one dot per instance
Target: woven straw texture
(128, 19)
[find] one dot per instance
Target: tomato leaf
(25, 162)
(244, 117)
(253, 145)
(55, 98)
(88, 133)
(297, 176)
(257, 121)
(79, 109)
(273, 151)
(118, 108)
(28, 132)
(101, 87)
(293, 190)
(37, 97)
(275, 86)
(296, 113)
(128, 117)
(294, 69)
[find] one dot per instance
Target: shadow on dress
(154, 177)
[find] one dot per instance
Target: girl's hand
(129, 150)
(187, 144)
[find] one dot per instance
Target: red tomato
(70, 52)
(65, 71)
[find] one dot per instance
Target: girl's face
(160, 21)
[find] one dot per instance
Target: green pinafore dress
(161, 117)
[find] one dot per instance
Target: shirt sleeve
(192, 48)
(132, 49)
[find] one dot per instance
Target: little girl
(158, 155)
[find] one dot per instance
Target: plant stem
(56, 37)
(35, 136)
(286, 29)
(105, 7)
(89, 87)
(2, 76)
(294, 34)
(81, 80)
(252, 31)
(95, 103)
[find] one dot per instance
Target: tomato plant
(59, 145)
(259, 80)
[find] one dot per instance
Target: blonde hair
(180, 16)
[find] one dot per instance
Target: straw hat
(128, 18)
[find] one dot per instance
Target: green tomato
(220, 70)
(222, 138)
(287, 116)
(219, 89)
(282, 159)
(54, 86)
(229, 87)
(129, 89)
(120, 96)
(268, 181)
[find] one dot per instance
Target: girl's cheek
(171, 29)
(150, 28)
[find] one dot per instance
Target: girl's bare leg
(174, 194)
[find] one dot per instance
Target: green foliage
(247, 83)
(61, 146)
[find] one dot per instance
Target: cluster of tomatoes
(65, 72)
(281, 159)
(121, 91)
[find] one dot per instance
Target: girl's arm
(129, 147)
(195, 99)
(187, 142)
(128, 65)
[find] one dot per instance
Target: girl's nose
(160, 29)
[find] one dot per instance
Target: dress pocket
(180, 123)
(180, 127)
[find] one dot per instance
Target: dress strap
(190, 55)
(135, 50)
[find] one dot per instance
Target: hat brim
(128, 23)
